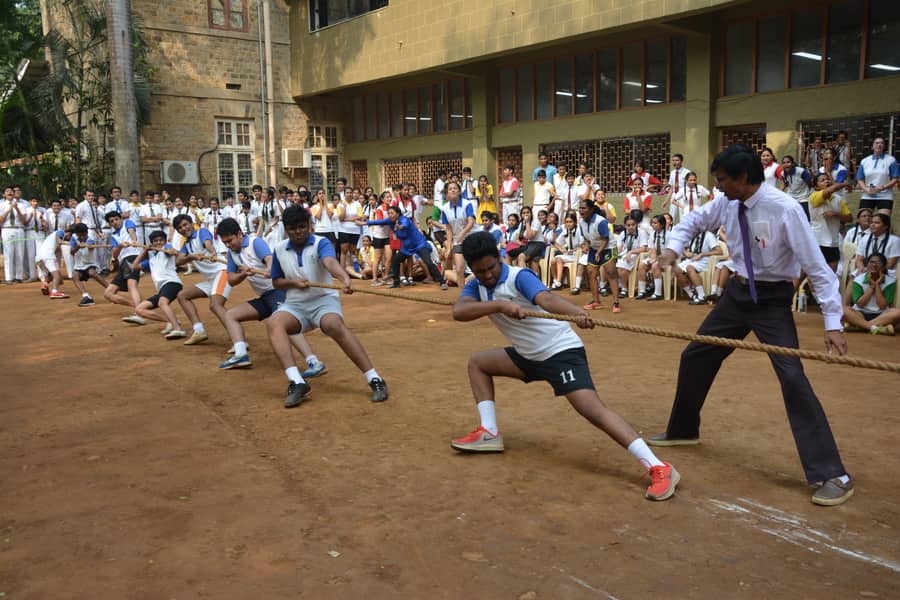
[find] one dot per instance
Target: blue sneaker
(237, 362)
(315, 369)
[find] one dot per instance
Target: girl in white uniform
(632, 243)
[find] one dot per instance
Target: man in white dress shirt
(769, 241)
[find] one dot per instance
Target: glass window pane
(844, 41)
(457, 104)
(315, 171)
(331, 171)
(236, 5)
(806, 47)
(657, 58)
(563, 86)
(237, 20)
(441, 106)
(884, 32)
(738, 58)
(584, 83)
(425, 109)
(218, 17)
(524, 88)
(384, 125)
(771, 48)
(409, 114)
(505, 94)
(331, 132)
(543, 90)
(468, 86)
(396, 114)
(607, 84)
(371, 118)
(678, 60)
(226, 161)
(632, 59)
(358, 119)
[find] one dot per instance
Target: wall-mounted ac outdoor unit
(296, 158)
(179, 172)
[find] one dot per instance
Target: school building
(401, 89)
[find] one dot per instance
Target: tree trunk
(124, 109)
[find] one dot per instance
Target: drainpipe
(262, 93)
(270, 94)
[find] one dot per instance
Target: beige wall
(194, 62)
(409, 36)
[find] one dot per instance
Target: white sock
(700, 293)
(577, 283)
(311, 360)
(198, 328)
(657, 287)
(641, 451)
(54, 290)
(240, 348)
(642, 287)
(687, 290)
(556, 282)
(844, 478)
(371, 374)
(85, 295)
(293, 373)
(488, 416)
(715, 290)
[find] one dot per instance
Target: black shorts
(380, 243)
(515, 252)
(169, 291)
(566, 371)
(599, 258)
(125, 273)
(268, 303)
(868, 316)
(876, 205)
(457, 249)
(805, 206)
(832, 255)
(85, 274)
(348, 238)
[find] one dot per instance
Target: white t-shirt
(162, 267)
(345, 209)
(47, 249)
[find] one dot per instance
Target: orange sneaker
(616, 308)
(479, 440)
(663, 480)
(45, 289)
(593, 306)
(57, 295)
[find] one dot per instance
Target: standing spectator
(485, 194)
(827, 211)
(545, 166)
(796, 182)
(838, 171)
(844, 150)
(679, 173)
(637, 199)
(544, 193)
(469, 189)
(687, 199)
(560, 177)
(509, 192)
(440, 193)
(569, 194)
(877, 176)
(14, 219)
(771, 169)
(648, 181)
(813, 159)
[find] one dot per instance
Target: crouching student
(159, 258)
(47, 262)
(541, 350)
(86, 266)
(250, 259)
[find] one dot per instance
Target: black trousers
(424, 254)
(734, 316)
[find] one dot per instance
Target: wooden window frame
(227, 27)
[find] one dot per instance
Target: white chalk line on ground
(586, 585)
(794, 529)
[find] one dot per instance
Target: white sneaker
(167, 329)
(556, 286)
(175, 334)
(137, 320)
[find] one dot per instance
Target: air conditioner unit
(296, 158)
(179, 172)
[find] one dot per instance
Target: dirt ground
(132, 468)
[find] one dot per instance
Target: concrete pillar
(483, 95)
(700, 136)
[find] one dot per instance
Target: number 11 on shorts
(567, 376)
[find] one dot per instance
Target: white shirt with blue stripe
(162, 267)
(306, 263)
(253, 254)
(595, 231)
(120, 236)
(196, 244)
(535, 339)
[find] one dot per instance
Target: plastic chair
(670, 284)
(572, 269)
(801, 291)
(633, 275)
(546, 265)
(848, 256)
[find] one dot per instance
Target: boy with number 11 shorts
(542, 350)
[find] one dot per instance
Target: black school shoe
(379, 390)
(296, 394)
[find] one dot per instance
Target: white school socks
(578, 282)
(641, 451)
(371, 374)
(657, 287)
(198, 328)
(642, 287)
(240, 348)
(293, 373)
(700, 292)
(488, 415)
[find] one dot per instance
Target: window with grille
(324, 13)
(228, 14)
(321, 136)
(234, 156)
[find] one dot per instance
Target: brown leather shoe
(833, 492)
(661, 439)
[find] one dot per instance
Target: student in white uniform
(47, 263)
(599, 253)
(656, 243)
(13, 219)
(878, 239)
(151, 216)
(796, 182)
(877, 176)
(694, 264)
(827, 211)
(632, 243)
(687, 199)
(302, 258)
(869, 300)
(199, 250)
(540, 350)
(159, 258)
(123, 238)
(459, 219)
(84, 252)
(567, 245)
(214, 216)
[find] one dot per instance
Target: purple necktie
(745, 243)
